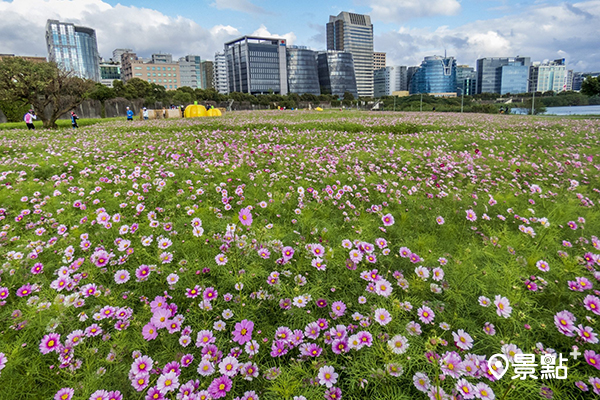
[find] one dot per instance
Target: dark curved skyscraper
(303, 76)
(73, 48)
(336, 73)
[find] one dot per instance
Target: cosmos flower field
(298, 255)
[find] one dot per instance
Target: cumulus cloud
(403, 10)
(264, 32)
(239, 5)
(144, 30)
(542, 32)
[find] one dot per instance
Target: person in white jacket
(28, 118)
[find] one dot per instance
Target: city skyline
(407, 31)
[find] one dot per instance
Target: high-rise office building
(116, 54)
(466, 80)
(189, 71)
(161, 73)
(548, 76)
(257, 65)
(336, 73)
(436, 76)
(490, 72)
(514, 78)
(379, 60)
(578, 78)
(220, 81)
(206, 74)
(390, 79)
(354, 33)
(303, 75)
(73, 48)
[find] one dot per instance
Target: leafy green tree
(348, 96)
(591, 86)
(51, 91)
(102, 92)
(136, 88)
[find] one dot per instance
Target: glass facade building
(490, 72)
(514, 78)
(437, 75)
(109, 71)
(73, 48)
(336, 73)
(466, 80)
(303, 75)
(257, 65)
(354, 33)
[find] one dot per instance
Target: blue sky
(407, 30)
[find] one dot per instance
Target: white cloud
(145, 30)
(264, 32)
(402, 10)
(540, 32)
(238, 5)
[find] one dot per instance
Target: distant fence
(117, 107)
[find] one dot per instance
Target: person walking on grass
(28, 118)
(129, 114)
(145, 113)
(74, 119)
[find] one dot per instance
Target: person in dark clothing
(74, 119)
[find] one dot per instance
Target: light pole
(462, 99)
(533, 98)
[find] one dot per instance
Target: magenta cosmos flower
(426, 314)
(245, 217)
(64, 394)
(592, 358)
(388, 220)
(24, 290)
(219, 387)
(243, 331)
(591, 303)
(50, 343)
(471, 216)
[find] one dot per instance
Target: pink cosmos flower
(590, 302)
(426, 314)
(471, 216)
(398, 344)
(503, 307)
(245, 217)
(592, 358)
(388, 220)
(462, 340)
(64, 394)
(219, 387)
(243, 331)
(50, 343)
(327, 376)
(382, 316)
